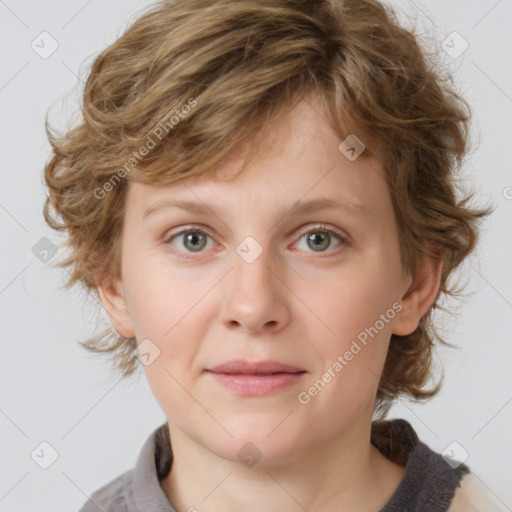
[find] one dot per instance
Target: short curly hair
(190, 81)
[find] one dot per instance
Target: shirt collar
(143, 490)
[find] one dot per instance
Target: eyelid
(323, 227)
(169, 235)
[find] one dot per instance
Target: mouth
(256, 378)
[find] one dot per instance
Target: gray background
(51, 390)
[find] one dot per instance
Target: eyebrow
(313, 205)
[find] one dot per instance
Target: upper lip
(240, 366)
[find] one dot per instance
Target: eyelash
(192, 229)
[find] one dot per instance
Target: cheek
(351, 360)
(164, 303)
(353, 303)
(356, 309)
(170, 390)
(159, 296)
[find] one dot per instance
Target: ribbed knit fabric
(429, 482)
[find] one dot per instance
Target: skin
(295, 303)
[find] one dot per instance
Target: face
(251, 275)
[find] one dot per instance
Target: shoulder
(111, 497)
(472, 496)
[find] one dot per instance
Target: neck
(349, 474)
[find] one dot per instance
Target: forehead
(308, 123)
(297, 160)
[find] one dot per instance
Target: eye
(195, 240)
(320, 238)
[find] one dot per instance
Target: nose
(256, 295)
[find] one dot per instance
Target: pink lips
(256, 378)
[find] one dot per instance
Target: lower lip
(257, 385)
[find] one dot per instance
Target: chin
(258, 443)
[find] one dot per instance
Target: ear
(113, 299)
(420, 294)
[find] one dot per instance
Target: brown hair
(192, 80)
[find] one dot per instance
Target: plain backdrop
(52, 391)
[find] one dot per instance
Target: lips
(256, 378)
(241, 367)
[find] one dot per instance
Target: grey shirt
(428, 485)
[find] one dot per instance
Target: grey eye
(194, 240)
(318, 240)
